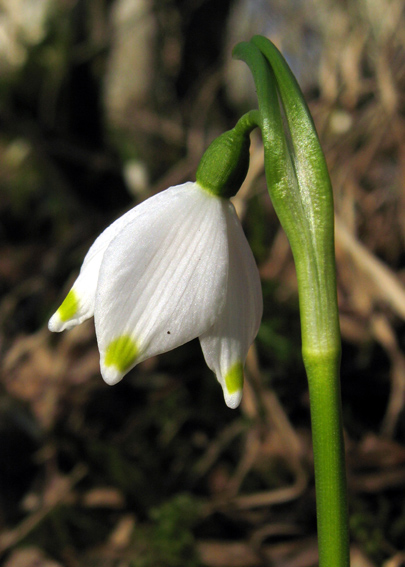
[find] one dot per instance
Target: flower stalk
(300, 189)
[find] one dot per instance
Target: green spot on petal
(234, 378)
(69, 307)
(121, 353)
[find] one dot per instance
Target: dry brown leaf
(385, 283)
(358, 559)
(301, 553)
(227, 554)
(121, 535)
(29, 374)
(105, 497)
(55, 495)
(29, 557)
(378, 452)
(385, 335)
(397, 561)
(38, 372)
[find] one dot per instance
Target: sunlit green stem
(327, 440)
(301, 193)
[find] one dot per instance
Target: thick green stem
(300, 189)
(329, 460)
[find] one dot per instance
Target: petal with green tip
(163, 278)
(79, 303)
(85, 286)
(121, 355)
(225, 345)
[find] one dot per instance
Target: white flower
(176, 267)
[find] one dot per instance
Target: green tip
(121, 353)
(234, 378)
(69, 307)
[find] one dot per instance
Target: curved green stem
(248, 122)
(301, 193)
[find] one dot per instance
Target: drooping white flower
(175, 267)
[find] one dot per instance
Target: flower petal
(226, 343)
(79, 302)
(163, 279)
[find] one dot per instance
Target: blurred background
(102, 104)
